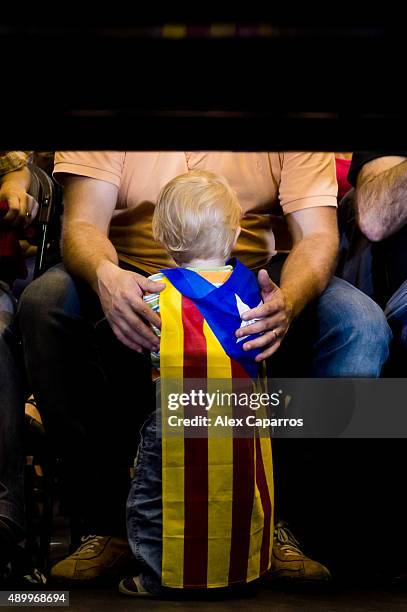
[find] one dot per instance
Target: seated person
(380, 181)
(17, 210)
(85, 324)
(215, 528)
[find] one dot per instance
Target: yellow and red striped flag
(217, 489)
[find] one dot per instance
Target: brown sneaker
(289, 562)
(98, 557)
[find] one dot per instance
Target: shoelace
(288, 541)
(89, 543)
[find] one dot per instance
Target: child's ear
(239, 229)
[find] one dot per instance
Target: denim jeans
(343, 333)
(396, 314)
(11, 418)
(93, 394)
(144, 506)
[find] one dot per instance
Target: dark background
(323, 79)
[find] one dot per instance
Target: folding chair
(47, 224)
(45, 232)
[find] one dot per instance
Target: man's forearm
(86, 250)
(17, 178)
(308, 270)
(382, 202)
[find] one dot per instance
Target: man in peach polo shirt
(85, 323)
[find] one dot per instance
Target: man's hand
(121, 295)
(22, 207)
(274, 315)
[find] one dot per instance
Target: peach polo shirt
(265, 183)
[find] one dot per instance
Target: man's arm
(312, 260)
(381, 197)
(22, 208)
(88, 254)
(306, 272)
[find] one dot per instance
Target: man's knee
(7, 307)
(359, 324)
(53, 291)
(372, 330)
(7, 341)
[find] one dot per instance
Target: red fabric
(266, 503)
(12, 264)
(342, 169)
(243, 493)
(196, 455)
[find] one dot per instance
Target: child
(200, 508)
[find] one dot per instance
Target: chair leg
(31, 543)
(46, 523)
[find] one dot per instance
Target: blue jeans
(92, 391)
(343, 333)
(11, 419)
(144, 507)
(396, 314)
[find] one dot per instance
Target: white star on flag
(242, 307)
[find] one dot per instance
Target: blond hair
(197, 216)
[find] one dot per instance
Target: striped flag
(217, 490)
